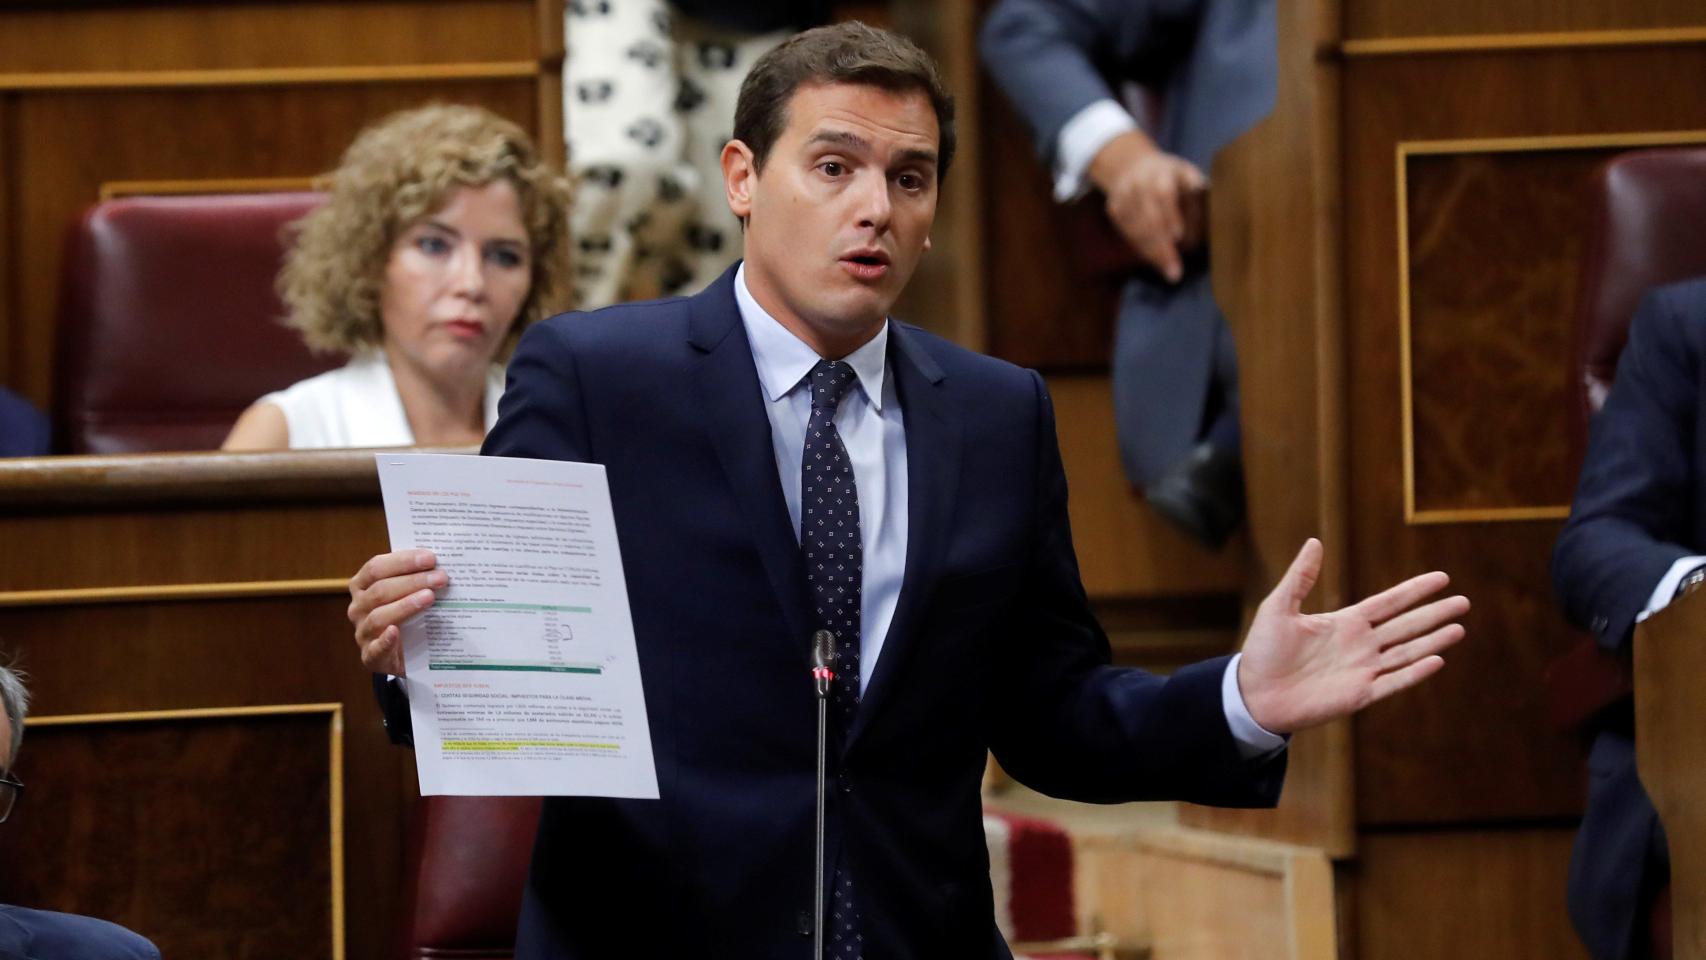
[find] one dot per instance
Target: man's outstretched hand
(1304, 669)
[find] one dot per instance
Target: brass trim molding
(1404, 151)
(335, 759)
(1488, 515)
(1505, 42)
(81, 596)
(269, 76)
(115, 189)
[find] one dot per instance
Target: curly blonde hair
(397, 171)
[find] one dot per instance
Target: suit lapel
(726, 382)
(933, 437)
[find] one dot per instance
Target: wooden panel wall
(1512, 303)
(1477, 22)
(179, 91)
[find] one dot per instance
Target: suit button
(1600, 623)
(803, 923)
(845, 782)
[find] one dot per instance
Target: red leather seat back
(169, 322)
(1649, 229)
(468, 860)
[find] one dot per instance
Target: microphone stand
(823, 645)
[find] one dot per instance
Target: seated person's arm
(1632, 518)
(261, 427)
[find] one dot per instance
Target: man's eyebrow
(840, 137)
(853, 141)
(918, 155)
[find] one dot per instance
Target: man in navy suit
(731, 423)
(1206, 69)
(45, 934)
(1635, 540)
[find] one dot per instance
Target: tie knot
(830, 380)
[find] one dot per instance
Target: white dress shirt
(873, 429)
(1665, 592)
(1081, 139)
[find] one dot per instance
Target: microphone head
(823, 655)
(823, 649)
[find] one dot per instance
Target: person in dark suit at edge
(23, 430)
(963, 627)
(1635, 540)
(27, 934)
(1134, 98)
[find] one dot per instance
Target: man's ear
(740, 177)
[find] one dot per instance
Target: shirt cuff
(1081, 139)
(1665, 592)
(1253, 740)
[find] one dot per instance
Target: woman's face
(455, 282)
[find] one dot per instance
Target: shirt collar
(783, 360)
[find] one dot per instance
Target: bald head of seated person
(728, 423)
(441, 239)
(27, 934)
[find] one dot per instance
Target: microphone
(823, 654)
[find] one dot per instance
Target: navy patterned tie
(830, 540)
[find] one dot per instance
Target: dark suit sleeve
(1635, 499)
(1051, 57)
(539, 416)
(1069, 724)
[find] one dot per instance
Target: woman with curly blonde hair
(442, 237)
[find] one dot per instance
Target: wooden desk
(204, 759)
(1670, 752)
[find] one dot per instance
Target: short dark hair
(850, 52)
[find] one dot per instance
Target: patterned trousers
(649, 99)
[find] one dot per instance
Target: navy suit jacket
(46, 935)
(1213, 63)
(992, 645)
(1640, 506)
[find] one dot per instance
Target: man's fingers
(1191, 180)
(1300, 577)
(1394, 600)
(1163, 198)
(1158, 250)
(385, 654)
(1413, 623)
(1402, 655)
(393, 588)
(392, 614)
(391, 564)
(1387, 684)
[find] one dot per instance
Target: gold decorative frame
(114, 189)
(268, 76)
(1410, 148)
(1554, 40)
(172, 591)
(335, 760)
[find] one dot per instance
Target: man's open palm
(1303, 669)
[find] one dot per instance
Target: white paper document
(523, 678)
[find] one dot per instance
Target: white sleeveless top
(357, 405)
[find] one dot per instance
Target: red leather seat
(468, 860)
(169, 323)
(1649, 229)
